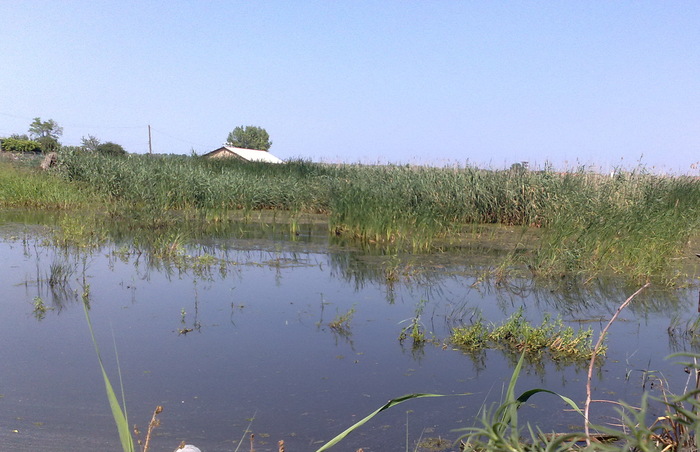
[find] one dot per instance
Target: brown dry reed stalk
(155, 422)
(599, 344)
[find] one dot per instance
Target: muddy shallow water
(238, 329)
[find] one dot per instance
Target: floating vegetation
(415, 329)
(434, 444)
(59, 273)
(517, 335)
(341, 322)
(40, 308)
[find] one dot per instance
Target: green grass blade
(386, 406)
(121, 382)
(245, 432)
(509, 409)
(510, 392)
(527, 394)
(119, 415)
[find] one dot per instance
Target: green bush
(20, 146)
(110, 148)
(48, 144)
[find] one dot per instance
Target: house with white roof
(249, 155)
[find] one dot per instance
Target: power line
(82, 126)
(15, 116)
(176, 138)
(109, 127)
(106, 127)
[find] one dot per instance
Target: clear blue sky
(602, 83)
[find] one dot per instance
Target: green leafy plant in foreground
(118, 410)
(386, 406)
(500, 431)
(499, 427)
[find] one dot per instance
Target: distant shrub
(48, 144)
(110, 148)
(20, 146)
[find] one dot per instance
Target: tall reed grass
(633, 223)
(179, 182)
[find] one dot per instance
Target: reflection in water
(259, 313)
(684, 334)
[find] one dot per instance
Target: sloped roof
(251, 155)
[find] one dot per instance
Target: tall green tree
(50, 128)
(250, 137)
(46, 133)
(90, 143)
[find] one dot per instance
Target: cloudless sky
(602, 83)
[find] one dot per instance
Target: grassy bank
(22, 184)
(633, 223)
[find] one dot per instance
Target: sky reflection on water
(261, 347)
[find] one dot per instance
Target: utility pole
(150, 149)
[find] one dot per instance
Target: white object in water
(188, 448)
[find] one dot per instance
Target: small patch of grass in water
(59, 273)
(40, 308)
(415, 329)
(518, 335)
(341, 322)
(437, 444)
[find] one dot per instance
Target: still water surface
(260, 346)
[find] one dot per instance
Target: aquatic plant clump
(516, 334)
(341, 322)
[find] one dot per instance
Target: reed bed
(178, 182)
(633, 222)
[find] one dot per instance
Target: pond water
(233, 337)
